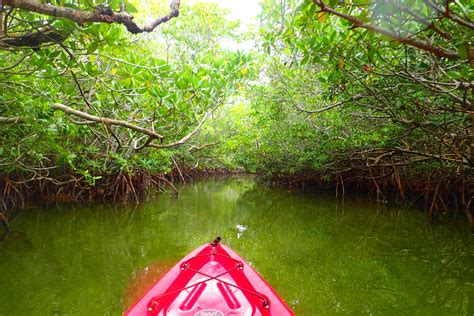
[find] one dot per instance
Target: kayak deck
(211, 281)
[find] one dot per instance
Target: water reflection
(323, 257)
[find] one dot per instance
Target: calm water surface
(322, 257)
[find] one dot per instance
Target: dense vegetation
(368, 96)
(378, 100)
(89, 113)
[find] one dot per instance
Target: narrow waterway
(322, 256)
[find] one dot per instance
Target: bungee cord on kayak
(212, 279)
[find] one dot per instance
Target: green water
(322, 257)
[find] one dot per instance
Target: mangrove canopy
(106, 100)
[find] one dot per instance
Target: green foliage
(336, 97)
(318, 95)
(164, 82)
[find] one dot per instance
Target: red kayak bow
(211, 281)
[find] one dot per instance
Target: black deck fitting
(216, 241)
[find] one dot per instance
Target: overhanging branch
(106, 121)
(100, 14)
(11, 120)
(438, 51)
(353, 98)
(33, 39)
(185, 138)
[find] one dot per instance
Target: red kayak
(211, 281)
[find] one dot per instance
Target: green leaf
(64, 58)
(182, 83)
(455, 74)
(464, 50)
(311, 9)
(130, 8)
(92, 47)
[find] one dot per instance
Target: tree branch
(352, 98)
(429, 25)
(100, 14)
(11, 120)
(438, 157)
(34, 39)
(107, 121)
(185, 138)
(447, 13)
(195, 147)
(438, 51)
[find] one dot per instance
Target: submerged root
(440, 194)
(121, 187)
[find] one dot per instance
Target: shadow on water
(143, 279)
(15, 241)
(322, 257)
